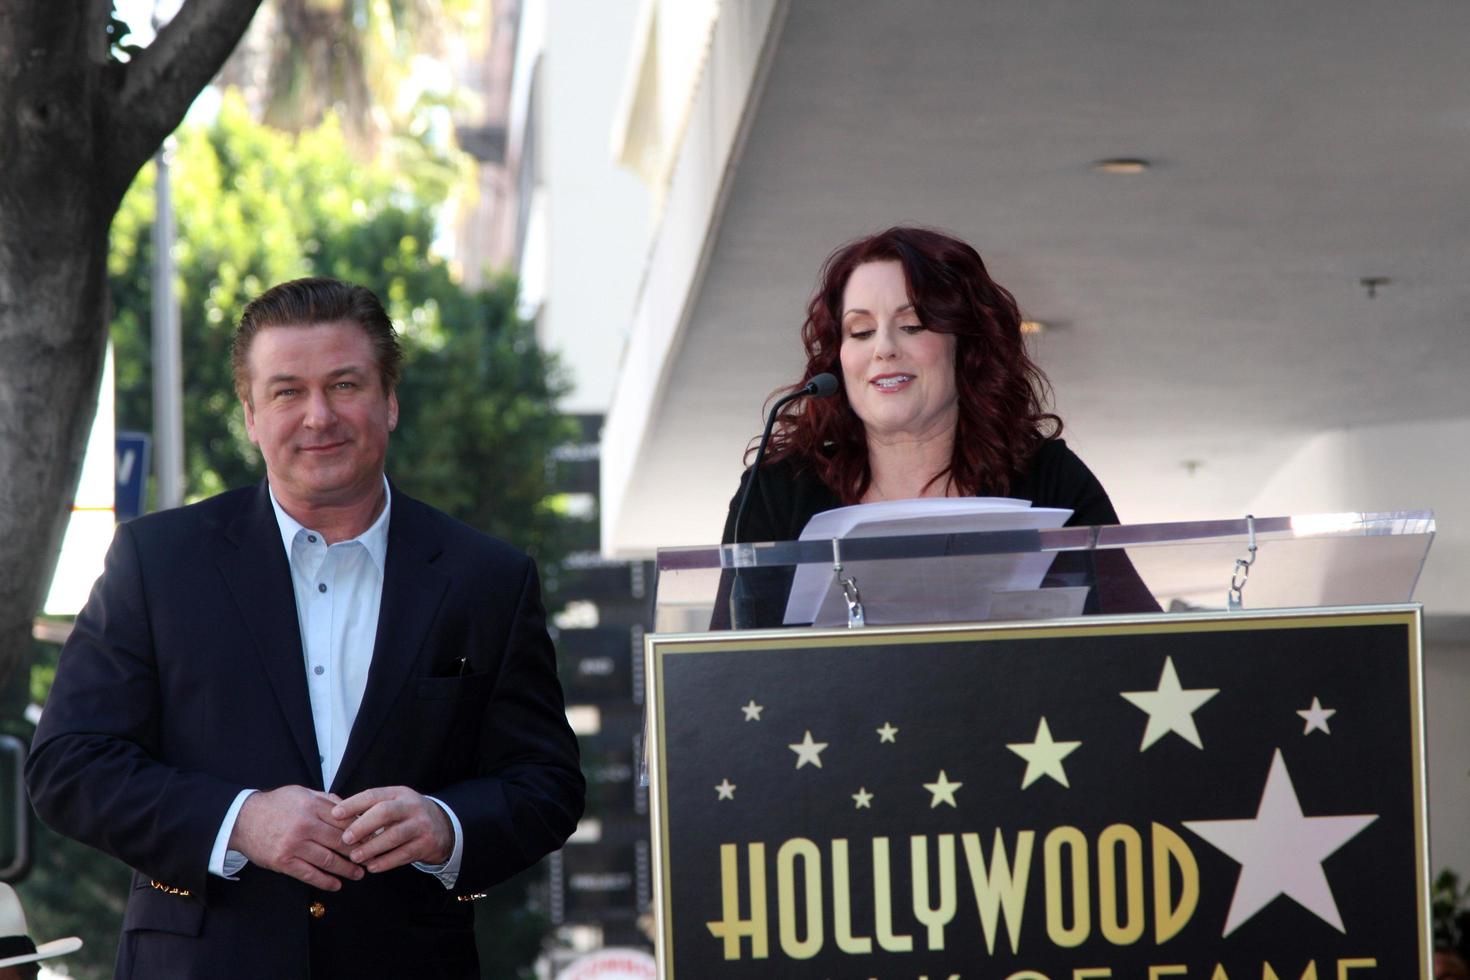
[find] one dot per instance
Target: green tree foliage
(354, 57)
(1450, 905)
(255, 207)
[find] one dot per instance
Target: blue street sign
(132, 473)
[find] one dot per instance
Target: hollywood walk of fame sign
(1090, 798)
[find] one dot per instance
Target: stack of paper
(922, 590)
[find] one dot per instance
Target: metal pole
(168, 414)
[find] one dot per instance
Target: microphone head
(822, 385)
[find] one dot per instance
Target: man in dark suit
(316, 716)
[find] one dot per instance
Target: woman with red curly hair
(938, 397)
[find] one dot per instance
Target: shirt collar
(374, 539)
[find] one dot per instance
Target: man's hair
(309, 302)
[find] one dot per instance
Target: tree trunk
(53, 313)
(75, 127)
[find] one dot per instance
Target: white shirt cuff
(222, 861)
(448, 872)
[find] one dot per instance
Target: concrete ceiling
(1206, 316)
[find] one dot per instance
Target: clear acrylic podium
(1309, 561)
(1215, 770)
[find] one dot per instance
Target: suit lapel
(259, 578)
(412, 592)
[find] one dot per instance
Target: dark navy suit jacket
(184, 682)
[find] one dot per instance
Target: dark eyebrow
(338, 373)
(905, 308)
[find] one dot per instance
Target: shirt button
(321, 758)
(317, 910)
(318, 669)
(321, 587)
(311, 538)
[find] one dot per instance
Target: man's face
(319, 414)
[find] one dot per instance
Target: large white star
(1281, 852)
(1170, 708)
(943, 791)
(1043, 756)
(1316, 718)
(808, 751)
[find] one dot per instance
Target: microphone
(743, 606)
(821, 386)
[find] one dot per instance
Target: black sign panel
(596, 664)
(602, 879)
(611, 770)
(588, 576)
(1187, 796)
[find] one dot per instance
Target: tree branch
(95, 20)
(161, 82)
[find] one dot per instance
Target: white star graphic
(943, 791)
(1043, 756)
(887, 733)
(1170, 708)
(726, 789)
(808, 751)
(864, 799)
(753, 710)
(1281, 852)
(1316, 717)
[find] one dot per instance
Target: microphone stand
(747, 606)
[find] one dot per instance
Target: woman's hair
(1001, 391)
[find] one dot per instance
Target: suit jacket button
(317, 910)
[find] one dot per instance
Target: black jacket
(789, 494)
(183, 683)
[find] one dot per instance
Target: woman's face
(899, 376)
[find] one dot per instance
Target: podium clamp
(850, 591)
(1243, 567)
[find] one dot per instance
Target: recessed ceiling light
(1121, 165)
(1032, 327)
(1371, 284)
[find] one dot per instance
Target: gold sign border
(658, 646)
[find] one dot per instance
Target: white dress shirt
(339, 589)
